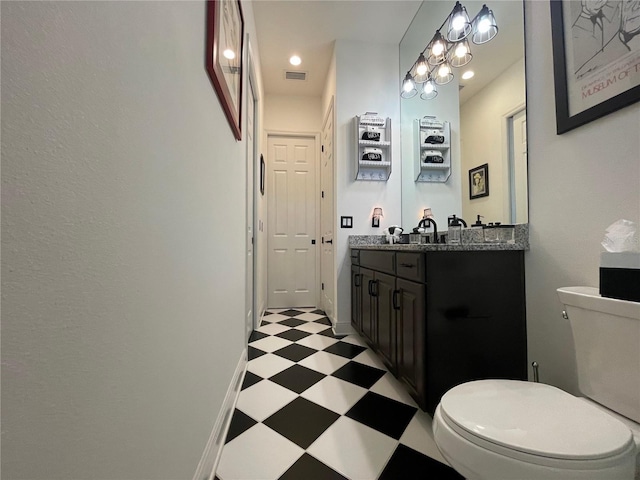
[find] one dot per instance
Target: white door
(518, 169)
(291, 263)
(327, 220)
(251, 159)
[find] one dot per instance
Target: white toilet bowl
(508, 429)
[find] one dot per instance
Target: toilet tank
(606, 334)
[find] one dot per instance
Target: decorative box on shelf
(373, 147)
(432, 150)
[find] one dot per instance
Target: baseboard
(211, 456)
(343, 329)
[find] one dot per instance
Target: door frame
(330, 112)
(506, 139)
(252, 85)
(318, 140)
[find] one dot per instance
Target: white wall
(482, 140)
(366, 80)
(579, 183)
(329, 91)
(123, 297)
(287, 113)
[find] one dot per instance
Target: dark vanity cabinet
(441, 318)
(375, 316)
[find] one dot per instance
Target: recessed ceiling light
(295, 60)
(468, 74)
(230, 54)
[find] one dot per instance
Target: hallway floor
(315, 406)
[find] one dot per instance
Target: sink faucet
(424, 223)
(453, 218)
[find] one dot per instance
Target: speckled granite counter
(379, 242)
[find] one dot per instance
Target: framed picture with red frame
(225, 36)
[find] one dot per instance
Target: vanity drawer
(377, 260)
(355, 257)
(411, 266)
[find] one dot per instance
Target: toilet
(510, 429)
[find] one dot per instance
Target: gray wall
(579, 183)
(122, 294)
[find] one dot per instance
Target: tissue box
(620, 275)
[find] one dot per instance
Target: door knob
(329, 241)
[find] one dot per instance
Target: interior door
(327, 220)
(251, 154)
(291, 268)
(518, 160)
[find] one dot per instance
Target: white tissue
(620, 237)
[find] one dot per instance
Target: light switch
(346, 222)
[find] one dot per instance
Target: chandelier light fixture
(443, 53)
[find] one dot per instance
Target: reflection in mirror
(487, 118)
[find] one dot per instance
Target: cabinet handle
(395, 300)
(371, 288)
(408, 265)
(356, 280)
(374, 293)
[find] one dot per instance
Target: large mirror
(487, 117)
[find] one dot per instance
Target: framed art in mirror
(596, 59)
(262, 174)
(225, 33)
(479, 181)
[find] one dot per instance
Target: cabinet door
(384, 288)
(476, 325)
(368, 305)
(411, 304)
(356, 299)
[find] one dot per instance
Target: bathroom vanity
(440, 315)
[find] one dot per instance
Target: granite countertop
(378, 242)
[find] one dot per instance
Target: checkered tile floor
(315, 406)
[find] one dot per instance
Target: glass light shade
(444, 74)
(437, 50)
(409, 89)
(484, 26)
(429, 90)
(460, 54)
(422, 67)
(459, 24)
(420, 70)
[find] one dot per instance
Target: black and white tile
(317, 406)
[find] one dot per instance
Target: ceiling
(308, 28)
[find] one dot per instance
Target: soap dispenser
(476, 232)
(455, 230)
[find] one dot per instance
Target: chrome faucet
(424, 223)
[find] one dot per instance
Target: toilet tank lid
(535, 418)
(589, 298)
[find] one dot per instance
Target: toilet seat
(535, 423)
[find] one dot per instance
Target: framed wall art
(596, 59)
(225, 34)
(479, 181)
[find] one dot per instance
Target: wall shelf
(427, 168)
(370, 124)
